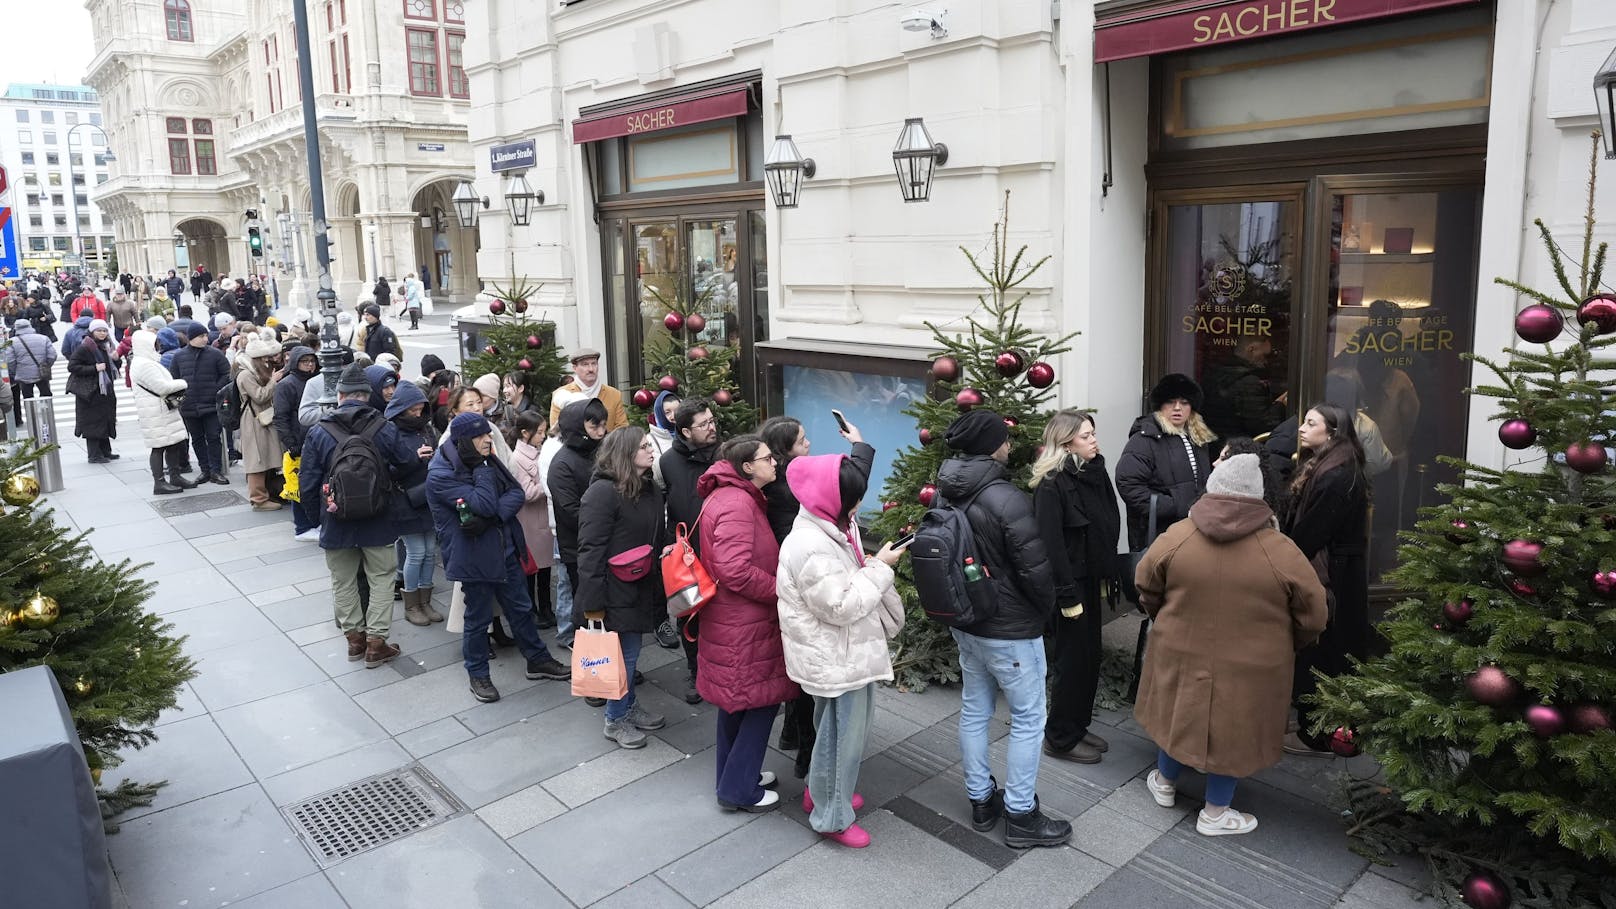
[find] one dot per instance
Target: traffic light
(255, 242)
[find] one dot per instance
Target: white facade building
(54, 151)
(205, 115)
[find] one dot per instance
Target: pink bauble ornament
(519, 305)
(497, 307)
(673, 321)
(1517, 434)
(491, 350)
(1484, 890)
(1040, 375)
(644, 397)
(1603, 584)
(1586, 457)
(968, 398)
(1460, 534)
(927, 493)
(1344, 742)
(723, 397)
(1539, 323)
(534, 342)
(1589, 718)
(524, 364)
(1545, 722)
(1600, 309)
(697, 353)
(945, 369)
(1008, 364)
(1524, 557)
(888, 506)
(1492, 686)
(695, 322)
(668, 383)
(1521, 589)
(925, 437)
(1011, 422)
(1458, 613)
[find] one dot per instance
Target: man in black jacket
(1006, 650)
(291, 431)
(204, 370)
(694, 444)
(581, 426)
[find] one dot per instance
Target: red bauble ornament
(497, 307)
(1546, 722)
(1521, 589)
(1484, 890)
(1589, 718)
(1539, 323)
(927, 493)
(1458, 613)
(534, 342)
(1600, 309)
(1586, 457)
(1517, 434)
(695, 322)
(1460, 534)
(1009, 364)
(668, 383)
(697, 353)
(1603, 584)
(908, 529)
(888, 506)
(1011, 422)
(925, 437)
(1524, 557)
(1040, 375)
(644, 397)
(491, 350)
(519, 305)
(723, 397)
(1492, 686)
(1344, 742)
(524, 364)
(945, 369)
(673, 321)
(968, 398)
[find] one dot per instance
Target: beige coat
(835, 616)
(260, 446)
(1233, 600)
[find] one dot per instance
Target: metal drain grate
(173, 508)
(345, 822)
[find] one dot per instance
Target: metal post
(39, 418)
(330, 344)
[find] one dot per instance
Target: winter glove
(476, 526)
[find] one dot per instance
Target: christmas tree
(1490, 715)
(693, 356)
(994, 362)
(518, 343)
(60, 606)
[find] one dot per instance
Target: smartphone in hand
(903, 541)
(841, 421)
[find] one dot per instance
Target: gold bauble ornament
(19, 489)
(83, 685)
(40, 611)
(95, 775)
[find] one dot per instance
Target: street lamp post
(330, 344)
(78, 233)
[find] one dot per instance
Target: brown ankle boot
(426, 605)
(378, 651)
(413, 612)
(356, 646)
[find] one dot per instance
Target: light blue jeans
(843, 724)
(563, 600)
(418, 565)
(1016, 668)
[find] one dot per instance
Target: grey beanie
(1238, 475)
(353, 381)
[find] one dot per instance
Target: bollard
(39, 417)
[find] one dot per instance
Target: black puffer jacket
(204, 370)
(1156, 462)
(288, 397)
(1006, 535)
(571, 470)
(608, 525)
(682, 466)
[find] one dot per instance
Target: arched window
(177, 15)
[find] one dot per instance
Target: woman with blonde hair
(1165, 465)
(1078, 519)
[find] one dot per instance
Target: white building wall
(77, 131)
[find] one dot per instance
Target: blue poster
(10, 264)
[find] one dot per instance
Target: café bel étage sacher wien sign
(1124, 30)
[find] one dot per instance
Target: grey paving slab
(263, 577)
(518, 706)
(927, 708)
(115, 511)
(313, 634)
(506, 760)
(645, 893)
(417, 662)
(888, 728)
(336, 771)
(736, 857)
(198, 525)
(247, 672)
(433, 737)
(132, 539)
(1292, 833)
(1135, 801)
(297, 611)
(1112, 837)
(331, 655)
(1132, 887)
(223, 624)
(563, 851)
(1371, 891)
(1041, 878)
(882, 779)
(458, 863)
(192, 755)
(286, 731)
(612, 770)
(274, 550)
(1212, 869)
(361, 682)
(693, 734)
(278, 595)
(434, 695)
(187, 706)
(196, 585)
(521, 811)
(1129, 756)
(312, 892)
(903, 866)
(248, 849)
(1409, 870)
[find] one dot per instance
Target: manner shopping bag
(597, 663)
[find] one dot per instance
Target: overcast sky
(57, 51)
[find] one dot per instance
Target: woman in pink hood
(837, 612)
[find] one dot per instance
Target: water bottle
(972, 573)
(462, 509)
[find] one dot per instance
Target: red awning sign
(680, 110)
(1198, 23)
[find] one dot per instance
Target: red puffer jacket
(741, 661)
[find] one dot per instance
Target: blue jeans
(1016, 668)
(1219, 788)
(844, 725)
(563, 600)
(417, 564)
(616, 710)
(518, 608)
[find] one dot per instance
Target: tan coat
(616, 417)
(1233, 600)
(260, 446)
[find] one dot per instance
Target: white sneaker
(1229, 823)
(1161, 790)
(312, 535)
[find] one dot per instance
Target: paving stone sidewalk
(558, 816)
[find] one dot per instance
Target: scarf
(586, 392)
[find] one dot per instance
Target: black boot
(176, 478)
(1034, 828)
(985, 813)
(162, 488)
(502, 638)
(398, 589)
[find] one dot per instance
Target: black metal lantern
(521, 198)
(915, 157)
(466, 204)
(785, 168)
(1605, 100)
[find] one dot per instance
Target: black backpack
(937, 557)
(229, 404)
(357, 485)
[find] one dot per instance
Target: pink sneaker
(853, 837)
(858, 803)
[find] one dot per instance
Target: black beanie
(430, 364)
(977, 432)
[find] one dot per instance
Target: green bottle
(972, 573)
(463, 510)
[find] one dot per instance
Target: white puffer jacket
(160, 425)
(835, 615)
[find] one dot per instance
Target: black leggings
(174, 455)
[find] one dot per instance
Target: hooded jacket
(410, 509)
(28, 353)
(1158, 462)
(1006, 536)
(837, 608)
(661, 434)
(288, 395)
(75, 336)
(783, 503)
(682, 466)
(489, 490)
(609, 524)
(160, 425)
(378, 376)
(740, 663)
(570, 472)
(318, 450)
(1233, 600)
(205, 370)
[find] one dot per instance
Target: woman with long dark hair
(525, 436)
(1327, 516)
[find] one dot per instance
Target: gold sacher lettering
(647, 121)
(1262, 18)
(1203, 29)
(1229, 325)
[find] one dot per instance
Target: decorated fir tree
(516, 342)
(61, 607)
(1491, 714)
(991, 361)
(690, 357)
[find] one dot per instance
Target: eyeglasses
(706, 424)
(647, 446)
(767, 457)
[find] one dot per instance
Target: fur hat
(977, 432)
(1175, 385)
(1237, 475)
(468, 426)
(353, 381)
(258, 347)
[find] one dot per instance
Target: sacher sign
(1135, 31)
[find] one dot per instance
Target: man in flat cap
(588, 382)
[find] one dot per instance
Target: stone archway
(448, 251)
(207, 243)
(352, 268)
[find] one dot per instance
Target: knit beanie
(977, 432)
(353, 380)
(194, 330)
(488, 386)
(468, 426)
(99, 325)
(430, 364)
(155, 324)
(1237, 475)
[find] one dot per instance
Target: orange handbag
(684, 579)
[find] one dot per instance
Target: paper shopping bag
(597, 664)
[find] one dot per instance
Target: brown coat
(1233, 599)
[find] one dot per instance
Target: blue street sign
(10, 264)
